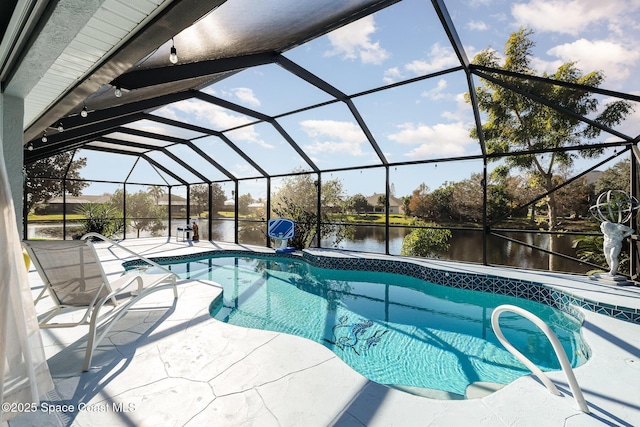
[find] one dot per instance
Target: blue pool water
(391, 328)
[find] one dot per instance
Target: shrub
(103, 218)
(425, 242)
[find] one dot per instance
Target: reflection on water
(465, 245)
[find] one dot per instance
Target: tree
(467, 201)
(217, 199)
(516, 122)
(359, 204)
(425, 242)
(199, 198)
(156, 191)
(615, 178)
(440, 202)
(419, 203)
(297, 199)
(243, 203)
(141, 213)
(382, 203)
(575, 199)
(44, 178)
(406, 201)
(520, 193)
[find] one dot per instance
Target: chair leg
(90, 342)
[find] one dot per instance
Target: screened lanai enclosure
(230, 113)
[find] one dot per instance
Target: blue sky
(419, 121)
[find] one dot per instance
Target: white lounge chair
(73, 275)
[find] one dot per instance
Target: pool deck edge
(178, 366)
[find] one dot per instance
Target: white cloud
(440, 58)
(246, 96)
(437, 92)
(167, 112)
(500, 17)
(462, 111)
(209, 114)
(248, 134)
(216, 118)
(440, 139)
(477, 25)
(330, 136)
(567, 16)
(614, 59)
(354, 41)
(209, 90)
(543, 65)
(158, 129)
(392, 75)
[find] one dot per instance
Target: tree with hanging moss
(515, 122)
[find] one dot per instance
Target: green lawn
(397, 219)
(55, 217)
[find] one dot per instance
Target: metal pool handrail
(557, 347)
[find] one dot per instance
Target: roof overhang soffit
(174, 19)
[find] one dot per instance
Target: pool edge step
(481, 389)
(427, 392)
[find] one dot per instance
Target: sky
(425, 120)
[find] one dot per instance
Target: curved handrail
(557, 347)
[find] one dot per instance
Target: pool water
(393, 329)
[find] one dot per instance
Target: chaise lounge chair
(74, 277)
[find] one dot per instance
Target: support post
(169, 209)
(635, 192)
(485, 226)
(387, 194)
(209, 222)
(319, 210)
(235, 209)
(268, 209)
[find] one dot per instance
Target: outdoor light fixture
(84, 112)
(173, 56)
(118, 91)
(30, 146)
(60, 127)
(44, 136)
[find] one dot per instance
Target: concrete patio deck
(177, 366)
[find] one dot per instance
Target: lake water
(465, 245)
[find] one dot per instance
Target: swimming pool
(394, 329)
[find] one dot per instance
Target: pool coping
(553, 295)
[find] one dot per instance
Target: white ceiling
(66, 41)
